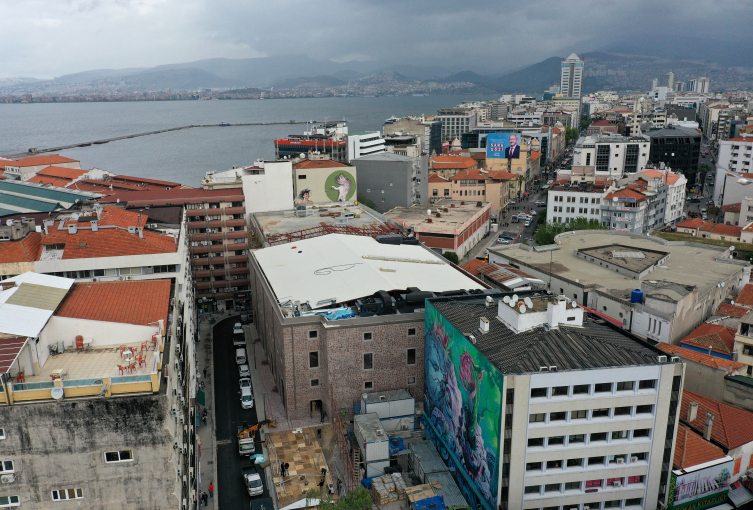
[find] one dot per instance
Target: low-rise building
(601, 127)
(450, 225)
(321, 180)
(391, 180)
(710, 230)
(448, 165)
(568, 199)
(363, 144)
(26, 168)
(492, 186)
(712, 339)
(732, 215)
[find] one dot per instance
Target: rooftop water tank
(636, 296)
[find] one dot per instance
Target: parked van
(247, 398)
(240, 356)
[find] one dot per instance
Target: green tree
(571, 134)
(584, 123)
(521, 181)
(451, 256)
(702, 171)
(365, 201)
(545, 233)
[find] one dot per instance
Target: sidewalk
(206, 433)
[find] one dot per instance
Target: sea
(186, 155)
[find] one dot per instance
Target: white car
(244, 371)
(237, 329)
(503, 241)
(245, 382)
(247, 398)
(533, 213)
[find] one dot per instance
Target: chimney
(484, 325)
(709, 425)
(73, 228)
(95, 227)
(692, 411)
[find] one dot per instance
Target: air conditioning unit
(662, 359)
(152, 225)
(94, 279)
(620, 461)
(633, 459)
(8, 478)
(127, 277)
(617, 484)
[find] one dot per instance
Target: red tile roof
(479, 156)
(732, 310)
(62, 172)
(727, 230)
(745, 298)
(472, 266)
(51, 181)
(653, 174)
(672, 178)
(437, 179)
(131, 178)
(319, 164)
(175, 196)
(720, 338)
(502, 175)
(535, 155)
(627, 193)
(603, 123)
(691, 449)
(447, 161)
(748, 139)
(10, 348)
(473, 173)
(693, 223)
(712, 361)
(136, 302)
(27, 249)
(731, 425)
(41, 160)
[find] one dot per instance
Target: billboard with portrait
(503, 146)
(702, 487)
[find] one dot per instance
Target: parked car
(503, 241)
(541, 203)
(237, 329)
(247, 398)
(244, 383)
(244, 371)
(506, 236)
(533, 213)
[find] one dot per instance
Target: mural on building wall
(463, 403)
(340, 186)
(304, 197)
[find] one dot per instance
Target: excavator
(250, 432)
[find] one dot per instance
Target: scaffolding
(328, 228)
(352, 474)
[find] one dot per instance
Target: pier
(34, 151)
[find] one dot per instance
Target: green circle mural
(340, 186)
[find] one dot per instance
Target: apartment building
(537, 426)
(363, 144)
(428, 131)
(455, 122)
(626, 210)
(492, 186)
(568, 200)
(735, 154)
(393, 180)
(612, 156)
(677, 147)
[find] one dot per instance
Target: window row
(366, 336)
(598, 505)
(93, 273)
(368, 359)
(589, 414)
(582, 486)
(609, 460)
(592, 389)
(587, 439)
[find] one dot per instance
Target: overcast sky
(47, 38)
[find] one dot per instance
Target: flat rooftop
(687, 265)
(594, 345)
(624, 256)
(453, 214)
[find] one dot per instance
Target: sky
(48, 38)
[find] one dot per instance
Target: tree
(521, 180)
(365, 201)
(451, 256)
(546, 232)
(357, 499)
(571, 134)
(584, 123)
(702, 171)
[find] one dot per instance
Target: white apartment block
(363, 144)
(567, 202)
(735, 154)
(612, 156)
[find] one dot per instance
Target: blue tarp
(396, 444)
(366, 482)
(435, 503)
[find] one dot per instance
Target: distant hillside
(531, 80)
(317, 82)
(177, 79)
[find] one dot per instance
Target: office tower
(571, 78)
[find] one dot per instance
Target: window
(603, 388)
(625, 386)
(411, 380)
(598, 436)
(557, 416)
(534, 418)
(559, 391)
(611, 481)
(313, 333)
(633, 501)
(593, 483)
(612, 504)
(8, 501)
(119, 456)
(648, 408)
(367, 336)
(552, 487)
(580, 389)
(572, 486)
(532, 466)
(301, 176)
(314, 359)
(411, 356)
(314, 383)
(647, 384)
(600, 413)
(368, 385)
(532, 489)
(622, 411)
(63, 494)
(537, 441)
(556, 440)
(368, 361)
(7, 466)
(411, 331)
(130, 270)
(578, 415)
(538, 392)
(642, 433)
(577, 438)
(2, 433)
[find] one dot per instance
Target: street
(229, 415)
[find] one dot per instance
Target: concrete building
(429, 132)
(456, 121)
(26, 168)
(549, 428)
(322, 181)
(677, 147)
(627, 210)
(569, 199)
(491, 186)
(591, 268)
(268, 184)
(393, 180)
(334, 323)
(363, 144)
(612, 156)
(735, 154)
(450, 225)
(61, 375)
(448, 165)
(601, 127)
(571, 76)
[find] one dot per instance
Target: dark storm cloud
(47, 38)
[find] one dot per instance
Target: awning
(739, 495)
(10, 348)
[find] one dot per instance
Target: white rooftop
(26, 308)
(344, 268)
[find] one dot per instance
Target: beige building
(527, 165)
(491, 186)
(318, 181)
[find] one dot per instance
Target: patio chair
(21, 377)
(121, 368)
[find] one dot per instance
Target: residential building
(710, 112)
(571, 199)
(363, 144)
(593, 429)
(327, 342)
(429, 132)
(678, 148)
(448, 165)
(571, 76)
(626, 210)
(26, 168)
(65, 363)
(715, 340)
(571, 104)
(492, 186)
(450, 225)
(742, 348)
(735, 154)
(710, 230)
(456, 121)
(601, 127)
(732, 216)
(671, 189)
(20, 247)
(612, 156)
(440, 188)
(604, 268)
(268, 184)
(393, 180)
(318, 180)
(217, 233)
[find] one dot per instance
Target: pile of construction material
(388, 488)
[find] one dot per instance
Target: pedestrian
(211, 490)
(205, 373)
(282, 468)
(324, 415)
(205, 498)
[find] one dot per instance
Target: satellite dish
(9, 222)
(511, 303)
(75, 216)
(365, 396)
(528, 302)
(57, 392)
(514, 297)
(506, 299)
(523, 309)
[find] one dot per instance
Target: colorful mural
(340, 186)
(463, 405)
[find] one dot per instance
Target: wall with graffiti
(463, 406)
(324, 185)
